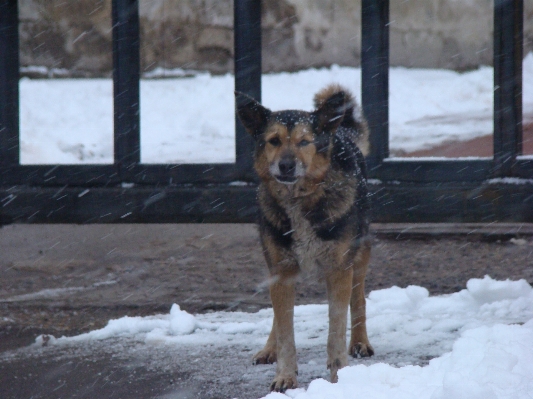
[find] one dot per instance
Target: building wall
(197, 34)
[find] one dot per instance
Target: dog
(314, 216)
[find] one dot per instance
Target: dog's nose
(287, 165)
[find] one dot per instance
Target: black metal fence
(128, 191)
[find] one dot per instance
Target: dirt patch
(478, 147)
(64, 280)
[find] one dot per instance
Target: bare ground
(479, 146)
(64, 280)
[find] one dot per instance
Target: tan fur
(289, 141)
(344, 271)
(339, 288)
(359, 344)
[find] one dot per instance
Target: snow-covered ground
(480, 341)
(192, 120)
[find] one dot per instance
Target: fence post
(375, 77)
(9, 86)
(508, 52)
(126, 67)
(247, 30)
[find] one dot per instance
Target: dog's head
(291, 145)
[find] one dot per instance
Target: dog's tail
(353, 121)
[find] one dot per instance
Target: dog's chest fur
(313, 253)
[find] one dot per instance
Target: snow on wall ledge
(479, 340)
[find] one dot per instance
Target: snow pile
(181, 322)
(191, 119)
(485, 363)
(177, 323)
(489, 291)
(474, 337)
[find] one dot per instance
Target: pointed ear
(331, 113)
(253, 115)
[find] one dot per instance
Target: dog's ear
(253, 115)
(331, 113)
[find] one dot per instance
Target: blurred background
(74, 38)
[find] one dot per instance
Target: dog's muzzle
(287, 170)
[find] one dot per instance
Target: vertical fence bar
(126, 68)
(9, 86)
(247, 30)
(508, 52)
(375, 76)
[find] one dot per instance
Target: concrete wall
(197, 34)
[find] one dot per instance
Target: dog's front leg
(282, 295)
(267, 355)
(339, 285)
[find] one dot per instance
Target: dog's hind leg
(339, 286)
(359, 344)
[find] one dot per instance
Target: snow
(433, 159)
(66, 121)
(510, 180)
(189, 118)
(181, 322)
(478, 340)
(485, 363)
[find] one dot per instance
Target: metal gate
(128, 191)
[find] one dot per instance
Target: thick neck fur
(309, 195)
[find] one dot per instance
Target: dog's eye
(275, 141)
(303, 143)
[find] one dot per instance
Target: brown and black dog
(313, 217)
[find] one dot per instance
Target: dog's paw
(360, 349)
(265, 356)
(335, 365)
(283, 382)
